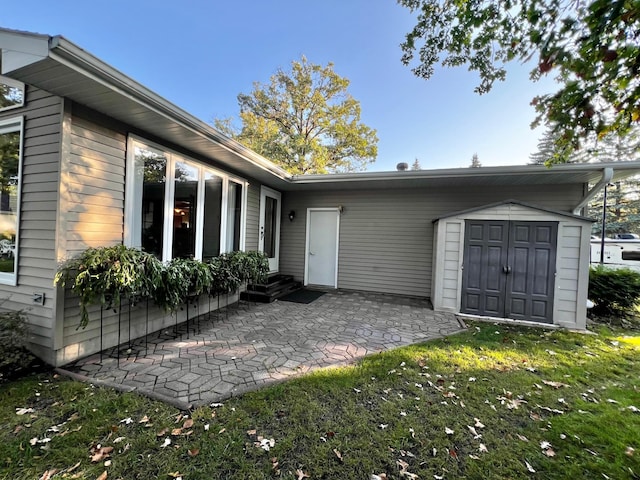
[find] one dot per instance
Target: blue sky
(200, 54)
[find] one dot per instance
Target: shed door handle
(506, 269)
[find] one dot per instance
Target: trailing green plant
(13, 339)
(615, 292)
(252, 266)
(102, 276)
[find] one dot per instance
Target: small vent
(402, 166)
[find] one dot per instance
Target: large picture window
(10, 172)
(179, 208)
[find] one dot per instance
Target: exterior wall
(92, 215)
(42, 113)
(253, 217)
(572, 261)
(386, 236)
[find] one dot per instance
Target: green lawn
(495, 402)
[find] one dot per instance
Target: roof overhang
(62, 68)
(564, 174)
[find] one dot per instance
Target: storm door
(509, 269)
(269, 241)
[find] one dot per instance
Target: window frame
(15, 84)
(10, 125)
(173, 158)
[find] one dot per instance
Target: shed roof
(62, 68)
(515, 202)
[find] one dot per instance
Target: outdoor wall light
(292, 215)
(340, 208)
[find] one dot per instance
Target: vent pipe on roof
(402, 166)
(607, 175)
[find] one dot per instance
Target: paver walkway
(261, 343)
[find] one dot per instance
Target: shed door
(509, 269)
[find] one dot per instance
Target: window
(11, 93)
(179, 208)
(10, 174)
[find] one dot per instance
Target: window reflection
(9, 164)
(212, 215)
(152, 167)
(234, 215)
(184, 210)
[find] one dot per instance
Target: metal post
(604, 224)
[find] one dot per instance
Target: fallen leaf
(48, 474)
(188, 423)
(103, 476)
(127, 420)
(473, 431)
(382, 426)
(144, 419)
(379, 476)
(167, 442)
(544, 444)
(633, 409)
(193, 452)
(630, 451)
(222, 430)
(101, 454)
(215, 405)
(529, 467)
(107, 463)
(251, 432)
(338, 454)
(554, 384)
(478, 423)
(301, 475)
(482, 448)
(522, 437)
(162, 432)
(176, 431)
(550, 452)
(448, 431)
(24, 411)
(453, 453)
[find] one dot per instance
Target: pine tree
(416, 165)
(475, 163)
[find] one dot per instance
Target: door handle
(506, 269)
(311, 253)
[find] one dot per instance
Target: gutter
(607, 175)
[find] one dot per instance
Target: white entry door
(269, 240)
(321, 266)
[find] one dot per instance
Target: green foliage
(305, 121)
(592, 46)
(13, 338)
(615, 292)
(102, 276)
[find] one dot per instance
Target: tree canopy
(305, 121)
(593, 46)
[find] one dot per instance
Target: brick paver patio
(252, 345)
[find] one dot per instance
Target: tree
(623, 197)
(475, 163)
(592, 45)
(305, 121)
(416, 165)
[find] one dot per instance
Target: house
(97, 159)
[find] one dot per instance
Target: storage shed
(513, 260)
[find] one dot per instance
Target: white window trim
(9, 125)
(15, 84)
(174, 157)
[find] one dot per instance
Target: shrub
(13, 337)
(615, 292)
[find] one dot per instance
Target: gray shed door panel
(509, 269)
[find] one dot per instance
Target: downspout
(607, 175)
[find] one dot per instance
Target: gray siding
(386, 236)
(40, 172)
(93, 216)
